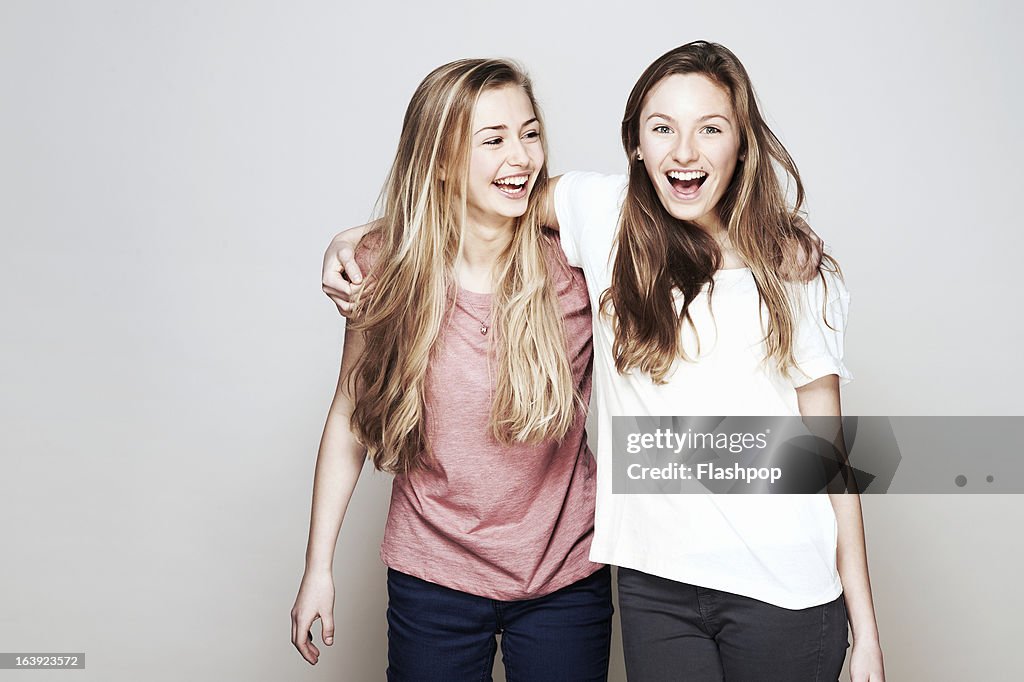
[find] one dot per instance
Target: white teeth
(518, 181)
(688, 175)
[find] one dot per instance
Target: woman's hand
(315, 600)
(341, 277)
(866, 662)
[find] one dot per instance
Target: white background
(170, 173)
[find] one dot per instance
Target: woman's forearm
(852, 563)
(338, 465)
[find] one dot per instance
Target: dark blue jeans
(437, 634)
(676, 631)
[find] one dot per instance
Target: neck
(481, 246)
(714, 228)
(712, 225)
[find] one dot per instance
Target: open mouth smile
(686, 184)
(513, 186)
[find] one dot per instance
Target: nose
(517, 154)
(685, 152)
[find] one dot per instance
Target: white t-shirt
(780, 549)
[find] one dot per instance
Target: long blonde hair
(417, 243)
(658, 253)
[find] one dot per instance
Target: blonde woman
(466, 372)
(684, 260)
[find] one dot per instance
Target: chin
(510, 215)
(678, 212)
(687, 215)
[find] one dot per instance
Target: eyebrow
(505, 127)
(699, 120)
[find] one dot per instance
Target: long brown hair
(658, 253)
(417, 242)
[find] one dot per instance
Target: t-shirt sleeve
(366, 254)
(819, 341)
(587, 206)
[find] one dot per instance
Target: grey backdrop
(170, 173)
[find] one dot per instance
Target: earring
(639, 156)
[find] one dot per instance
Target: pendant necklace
(484, 326)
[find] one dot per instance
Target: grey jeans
(674, 631)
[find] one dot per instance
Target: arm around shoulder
(341, 277)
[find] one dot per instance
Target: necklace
(484, 326)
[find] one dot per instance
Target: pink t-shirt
(503, 522)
